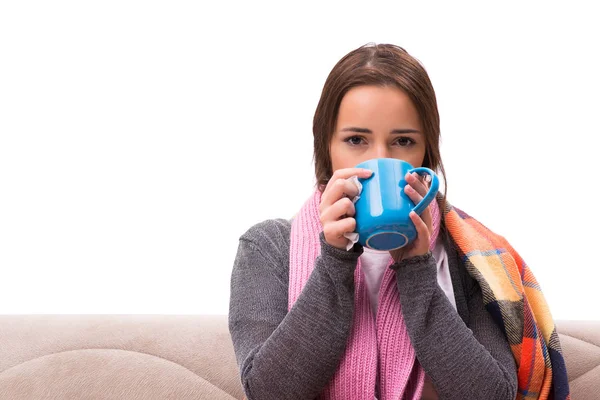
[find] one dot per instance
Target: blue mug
(382, 211)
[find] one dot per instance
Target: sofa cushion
(141, 356)
(104, 374)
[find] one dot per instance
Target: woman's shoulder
(270, 230)
(262, 260)
(270, 238)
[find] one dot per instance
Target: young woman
(451, 316)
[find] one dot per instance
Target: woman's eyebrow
(402, 131)
(357, 130)
(365, 130)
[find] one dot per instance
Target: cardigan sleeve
(463, 360)
(288, 354)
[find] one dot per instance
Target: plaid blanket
(514, 298)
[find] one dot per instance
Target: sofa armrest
(580, 342)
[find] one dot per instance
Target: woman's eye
(405, 141)
(354, 140)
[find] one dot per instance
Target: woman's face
(376, 122)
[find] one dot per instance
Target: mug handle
(433, 189)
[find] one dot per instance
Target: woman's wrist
(412, 261)
(340, 254)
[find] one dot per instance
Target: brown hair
(381, 65)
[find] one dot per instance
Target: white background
(139, 140)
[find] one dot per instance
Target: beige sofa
(172, 357)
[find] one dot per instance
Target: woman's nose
(382, 152)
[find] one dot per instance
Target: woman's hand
(336, 209)
(416, 189)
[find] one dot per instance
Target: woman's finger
(339, 186)
(412, 194)
(417, 183)
(426, 217)
(346, 225)
(422, 231)
(338, 190)
(334, 231)
(340, 209)
(346, 173)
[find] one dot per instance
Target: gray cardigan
(293, 354)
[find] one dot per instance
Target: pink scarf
(384, 339)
